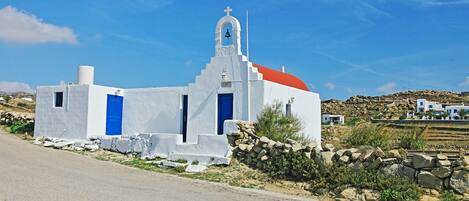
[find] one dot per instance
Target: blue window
(455, 111)
(421, 103)
(59, 99)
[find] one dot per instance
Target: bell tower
(228, 35)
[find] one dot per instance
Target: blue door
(114, 115)
(225, 110)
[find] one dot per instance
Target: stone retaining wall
(8, 118)
(430, 172)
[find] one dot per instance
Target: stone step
(447, 132)
(452, 155)
(446, 139)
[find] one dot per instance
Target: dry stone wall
(430, 172)
(9, 118)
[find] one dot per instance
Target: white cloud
(189, 62)
(387, 88)
(330, 86)
(11, 87)
(464, 83)
(20, 27)
(441, 2)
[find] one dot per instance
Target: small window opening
(59, 99)
(288, 109)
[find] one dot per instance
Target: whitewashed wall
(69, 121)
(153, 110)
(203, 94)
(97, 108)
(306, 105)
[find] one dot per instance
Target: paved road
(30, 172)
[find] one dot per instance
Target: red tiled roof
(281, 77)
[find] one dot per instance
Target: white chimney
(85, 75)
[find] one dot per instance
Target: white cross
(228, 10)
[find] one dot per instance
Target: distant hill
(17, 94)
(390, 106)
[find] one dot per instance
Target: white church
(229, 87)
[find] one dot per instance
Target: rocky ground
(388, 106)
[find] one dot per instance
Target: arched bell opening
(227, 32)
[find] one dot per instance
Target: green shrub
(391, 188)
(181, 161)
(403, 117)
(369, 134)
(389, 195)
(195, 162)
(352, 122)
(413, 139)
(22, 127)
(397, 189)
(292, 165)
(448, 196)
(274, 124)
(20, 104)
(180, 169)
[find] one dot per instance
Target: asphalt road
(30, 172)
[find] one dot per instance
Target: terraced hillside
(441, 136)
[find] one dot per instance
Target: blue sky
(339, 48)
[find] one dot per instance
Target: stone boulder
(349, 194)
(196, 168)
(350, 152)
(344, 159)
(440, 163)
(428, 180)
(459, 181)
(366, 156)
(441, 157)
(325, 160)
(264, 140)
(60, 145)
(399, 170)
(394, 154)
(442, 172)
(124, 145)
(422, 161)
(48, 144)
(328, 147)
(379, 153)
(370, 195)
(91, 147)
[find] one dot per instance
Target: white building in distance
(453, 111)
(28, 99)
(229, 87)
(333, 119)
(424, 105)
